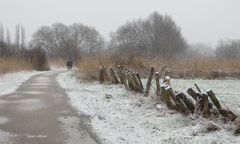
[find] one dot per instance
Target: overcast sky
(205, 21)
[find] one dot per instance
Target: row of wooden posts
(191, 102)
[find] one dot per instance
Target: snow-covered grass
(122, 117)
(11, 81)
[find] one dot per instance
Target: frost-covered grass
(11, 81)
(129, 118)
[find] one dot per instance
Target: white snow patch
(11, 81)
(129, 118)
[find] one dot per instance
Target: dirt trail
(39, 113)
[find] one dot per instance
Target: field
(120, 116)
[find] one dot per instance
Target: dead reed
(13, 65)
(199, 67)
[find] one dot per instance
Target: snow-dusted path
(38, 112)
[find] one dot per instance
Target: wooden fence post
(179, 104)
(167, 99)
(190, 105)
(106, 76)
(113, 76)
(100, 74)
(157, 78)
(140, 81)
(214, 99)
(137, 84)
(120, 74)
(206, 112)
(192, 93)
(149, 82)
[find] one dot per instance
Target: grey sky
(200, 20)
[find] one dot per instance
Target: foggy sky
(205, 21)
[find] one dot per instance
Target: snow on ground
(11, 81)
(122, 117)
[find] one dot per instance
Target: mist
(200, 21)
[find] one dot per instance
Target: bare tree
(68, 41)
(17, 36)
(8, 37)
(157, 35)
(1, 33)
(131, 37)
(23, 37)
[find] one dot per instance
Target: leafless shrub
(38, 58)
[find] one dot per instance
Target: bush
(38, 58)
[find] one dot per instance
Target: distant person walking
(69, 64)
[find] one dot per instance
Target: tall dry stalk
(13, 65)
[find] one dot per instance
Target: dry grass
(199, 67)
(88, 66)
(57, 62)
(13, 65)
(195, 64)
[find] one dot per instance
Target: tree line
(8, 48)
(19, 50)
(155, 36)
(68, 41)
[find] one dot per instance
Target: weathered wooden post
(113, 76)
(192, 93)
(167, 98)
(214, 99)
(190, 105)
(134, 85)
(140, 81)
(206, 112)
(100, 74)
(120, 74)
(224, 112)
(106, 77)
(210, 105)
(179, 104)
(149, 82)
(137, 84)
(157, 77)
(130, 83)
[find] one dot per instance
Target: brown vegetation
(57, 62)
(34, 59)
(199, 67)
(13, 64)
